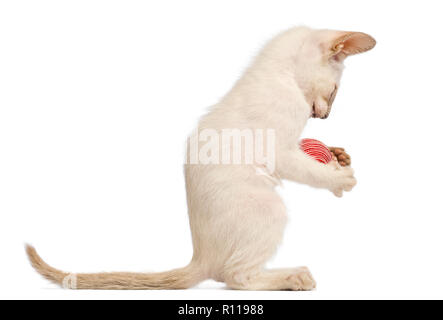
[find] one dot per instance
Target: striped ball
(316, 150)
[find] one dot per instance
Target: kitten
(236, 216)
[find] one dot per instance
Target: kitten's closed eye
(332, 97)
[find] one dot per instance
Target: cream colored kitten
(236, 216)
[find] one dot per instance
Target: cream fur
(236, 216)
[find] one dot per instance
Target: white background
(96, 100)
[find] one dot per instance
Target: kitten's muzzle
(318, 113)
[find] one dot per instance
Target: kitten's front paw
(343, 180)
(341, 156)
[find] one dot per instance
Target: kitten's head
(319, 65)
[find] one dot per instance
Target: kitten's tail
(182, 278)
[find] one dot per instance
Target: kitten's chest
(290, 128)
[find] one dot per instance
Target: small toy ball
(316, 149)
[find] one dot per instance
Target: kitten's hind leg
(296, 279)
(254, 235)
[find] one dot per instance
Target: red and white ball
(317, 150)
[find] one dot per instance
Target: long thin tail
(175, 279)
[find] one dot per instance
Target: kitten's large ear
(350, 43)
